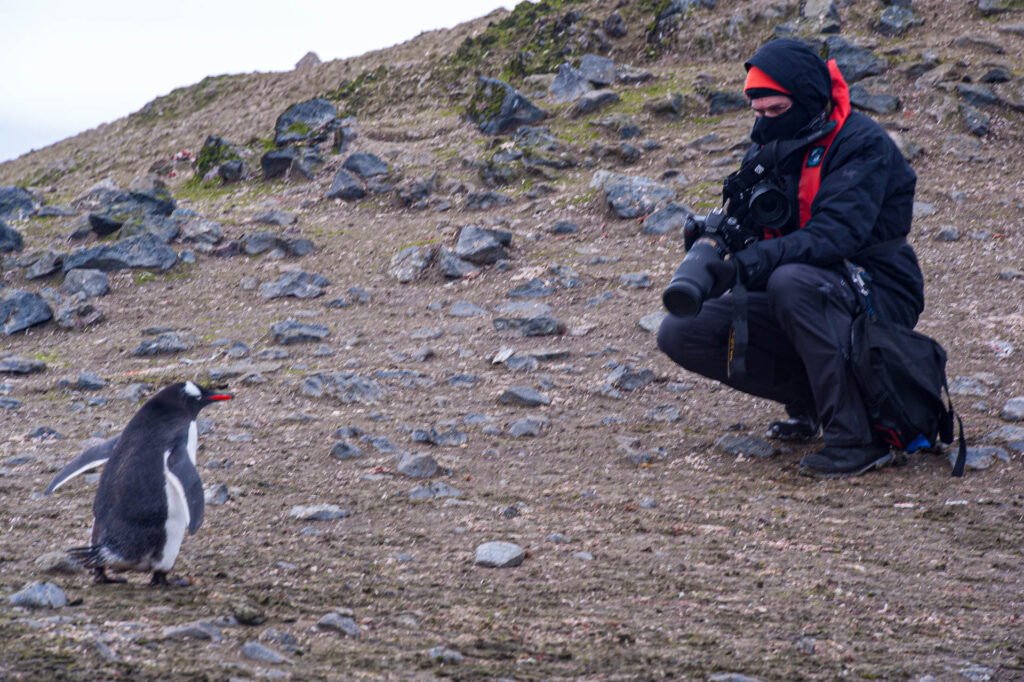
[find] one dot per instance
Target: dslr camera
(708, 237)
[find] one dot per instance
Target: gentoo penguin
(150, 491)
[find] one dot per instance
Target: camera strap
(739, 334)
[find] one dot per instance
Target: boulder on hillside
(304, 122)
(291, 162)
(143, 251)
(10, 239)
(217, 153)
(346, 186)
(16, 203)
(138, 210)
(308, 60)
(568, 85)
(497, 107)
(365, 165)
(597, 69)
(854, 62)
(632, 196)
(20, 310)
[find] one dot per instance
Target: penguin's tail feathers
(91, 556)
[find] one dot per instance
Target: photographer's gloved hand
(725, 273)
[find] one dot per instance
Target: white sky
(69, 65)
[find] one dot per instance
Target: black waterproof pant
(797, 353)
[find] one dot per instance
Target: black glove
(725, 273)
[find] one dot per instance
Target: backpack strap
(961, 450)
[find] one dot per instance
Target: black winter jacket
(866, 197)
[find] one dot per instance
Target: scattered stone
(39, 596)
(597, 69)
(1013, 410)
(258, 652)
(346, 387)
(1007, 434)
(632, 196)
(635, 280)
(482, 201)
(564, 227)
(482, 246)
(527, 318)
(16, 364)
(663, 413)
(200, 630)
(319, 512)
(878, 103)
(449, 438)
(433, 490)
(615, 25)
(418, 465)
(732, 677)
(568, 85)
(296, 283)
(467, 309)
(16, 203)
(497, 107)
(627, 378)
(216, 494)
(666, 219)
(408, 264)
(10, 239)
(20, 310)
(365, 165)
(165, 344)
(948, 233)
(335, 622)
(345, 450)
(292, 331)
(302, 121)
(275, 217)
(527, 427)
(854, 62)
(142, 251)
(499, 555)
(723, 102)
(91, 283)
(747, 446)
(897, 19)
(523, 395)
(445, 656)
(44, 265)
(979, 458)
(593, 101)
(977, 121)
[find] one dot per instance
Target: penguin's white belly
(177, 521)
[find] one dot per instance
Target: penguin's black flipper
(180, 465)
(92, 458)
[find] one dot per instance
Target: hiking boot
(795, 429)
(836, 462)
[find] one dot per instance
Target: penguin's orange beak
(221, 396)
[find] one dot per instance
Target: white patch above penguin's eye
(192, 390)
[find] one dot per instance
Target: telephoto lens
(692, 282)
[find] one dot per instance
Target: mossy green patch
(215, 151)
(356, 94)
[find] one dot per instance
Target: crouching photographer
(820, 187)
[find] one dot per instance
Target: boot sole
(877, 464)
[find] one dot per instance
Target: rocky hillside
(431, 276)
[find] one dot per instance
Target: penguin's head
(197, 397)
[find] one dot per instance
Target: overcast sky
(70, 65)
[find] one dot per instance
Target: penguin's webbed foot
(99, 575)
(160, 580)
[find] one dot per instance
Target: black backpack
(902, 377)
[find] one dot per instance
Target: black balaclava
(798, 69)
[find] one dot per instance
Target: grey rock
(302, 121)
(417, 465)
(16, 203)
(292, 331)
(568, 85)
(594, 101)
(200, 630)
(165, 344)
(480, 246)
(948, 233)
(533, 288)
(275, 216)
(523, 395)
(10, 239)
(20, 310)
(564, 227)
(663, 413)
(216, 494)
(878, 103)
(445, 656)
(632, 196)
(628, 378)
(433, 490)
(748, 446)
(615, 25)
(408, 264)
(1013, 410)
(854, 62)
(91, 283)
(979, 458)
(635, 280)
(319, 512)
(652, 322)
(345, 450)
(450, 437)
(467, 309)
(346, 185)
(345, 387)
(732, 677)
(202, 232)
(597, 69)
(39, 595)
(297, 283)
(365, 165)
(259, 652)
(977, 95)
(482, 201)
(1007, 434)
(668, 218)
(895, 20)
(512, 108)
(978, 122)
(453, 267)
(335, 622)
(527, 318)
(463, 380)
(89, 382)
(47, 263)
(725, 101)
(967, 386)
(527, 427)
(143, 251)
(499, 555)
